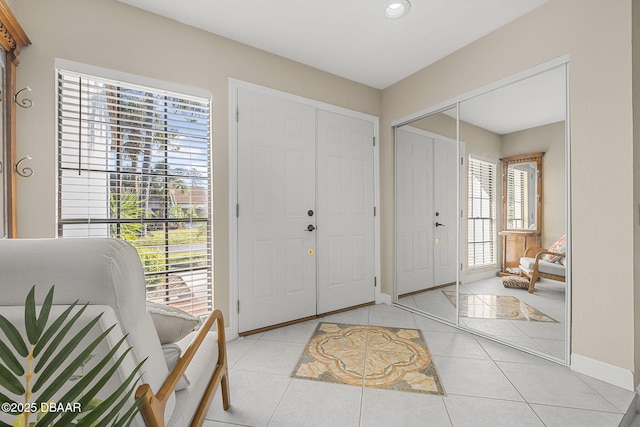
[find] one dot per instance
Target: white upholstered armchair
(107, 274)
(549, 263)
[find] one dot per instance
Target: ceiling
(528, 103)
(352, 39)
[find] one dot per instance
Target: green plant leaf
(30, 320)
(83, 382)
(44, 339)
(43, 317)
(106, 404)
(65, 352)
(3, 424)
(10, 359)
(44, 358)
(10, 382)
(13, 336)
(128, 416)
(113, 413)
(5, 399)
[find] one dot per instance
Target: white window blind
(481, 227)
(134, 163)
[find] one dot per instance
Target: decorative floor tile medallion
(496, 307)
(373, 356)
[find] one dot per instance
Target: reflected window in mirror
(481, 225)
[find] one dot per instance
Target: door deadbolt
(310, 212)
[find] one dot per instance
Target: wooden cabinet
(514, 244)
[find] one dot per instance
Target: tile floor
(543, 337)
(487, 384)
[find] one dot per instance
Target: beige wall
(636, 173)
(597, 35)
(109, 34)
(550, 140)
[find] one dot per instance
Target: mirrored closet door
(426, 220)
(495, 205)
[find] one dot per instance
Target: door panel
(276, 188)
(445, 185)
(345, 212)
(414, 211)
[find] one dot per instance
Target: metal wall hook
(24, 172)
(24, 102)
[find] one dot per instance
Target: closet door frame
(234, 86)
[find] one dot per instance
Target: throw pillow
(515, 282)
(559, 247)
(171, 323)
(172, 353)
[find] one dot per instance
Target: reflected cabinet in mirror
(481, 218)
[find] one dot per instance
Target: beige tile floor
(487, 384)
(541, 336)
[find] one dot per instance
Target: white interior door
(426, 210)
(276, 189)
(345, 212)
(414, 201)
(445, 169)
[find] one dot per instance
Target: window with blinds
(481, 227)
(134, 164)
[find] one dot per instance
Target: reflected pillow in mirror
(559, 247)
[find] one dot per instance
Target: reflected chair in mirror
(538, 263)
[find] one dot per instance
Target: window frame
(196, 270)
(492, 218)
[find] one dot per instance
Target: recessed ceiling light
(397, 8)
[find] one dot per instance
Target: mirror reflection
(521, 196)
(426, 220)
(513, 222)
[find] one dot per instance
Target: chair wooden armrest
(543, 252)
(153, 405)
(532, 251)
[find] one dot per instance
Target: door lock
(439, 224)
(310, 212)
(310, 228)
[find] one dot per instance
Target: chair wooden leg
(226, 397)
(532, 282)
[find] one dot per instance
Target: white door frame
(234, 86)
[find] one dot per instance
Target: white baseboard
(471, 277)
(603, 371)
(384, 299)
(229, 334)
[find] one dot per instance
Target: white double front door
(305, 210)
(426, 210)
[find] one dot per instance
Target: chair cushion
(172, 353)
(554, 268)
(559, 247)
(199, 371)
